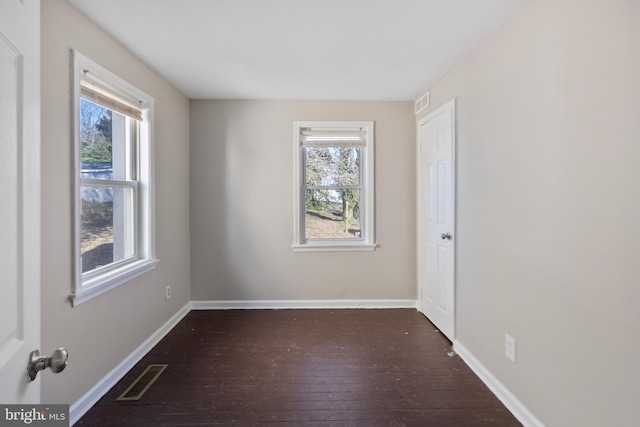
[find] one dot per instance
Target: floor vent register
(142, 384)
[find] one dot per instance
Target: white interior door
(436, 216)
(20, 197)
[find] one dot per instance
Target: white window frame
(96, 282)
(367, 196)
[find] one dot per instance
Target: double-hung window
(334, 186)
(112, 133)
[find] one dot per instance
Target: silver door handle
(57, 362)
(445, 236)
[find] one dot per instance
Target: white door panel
(436, 216)
(20, 197)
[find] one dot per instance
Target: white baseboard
(301, 304)
(506, 397)
(79, 408)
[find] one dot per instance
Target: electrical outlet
(168, 291)
(510, 347)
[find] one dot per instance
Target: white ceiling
(301, 49)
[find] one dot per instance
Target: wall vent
(423, 102)
(142, 384)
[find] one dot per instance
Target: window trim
(367, 222)
(92, 284)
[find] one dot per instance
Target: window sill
(334, 247)
(105, 282)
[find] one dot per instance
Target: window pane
(325, 214)
(95, 137)
(107, 226)
(332, 166)
(103, 142)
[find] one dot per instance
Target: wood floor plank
(305, 368)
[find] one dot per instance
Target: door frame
(449, 107)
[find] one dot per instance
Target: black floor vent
(142, 384)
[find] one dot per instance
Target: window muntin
(114, 215)
(334, 186)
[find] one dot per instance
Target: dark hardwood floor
(304, 368)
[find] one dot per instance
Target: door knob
(445, 236)
(57, 362)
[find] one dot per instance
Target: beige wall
(242, 205)
(548, 234)
(100, 333)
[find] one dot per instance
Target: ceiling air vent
(423, 102)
